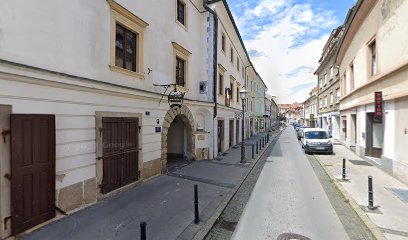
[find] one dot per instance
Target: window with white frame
(331, 98)
(331, 72)
(338, 95)
(325, 101)
(321, 103)
(325, 79)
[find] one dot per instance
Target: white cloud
(288, 36)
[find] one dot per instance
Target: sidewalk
(165, 203)
(390, 195)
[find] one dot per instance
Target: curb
(206, 228)
(377, 233)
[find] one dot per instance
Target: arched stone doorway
(178, 139)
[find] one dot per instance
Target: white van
(316, 140)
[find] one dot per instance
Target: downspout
(215, 51)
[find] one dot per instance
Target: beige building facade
(329, 86)
(373, 57)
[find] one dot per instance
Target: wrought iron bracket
(5, 133)
(7, 176)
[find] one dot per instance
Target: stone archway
(187, 117)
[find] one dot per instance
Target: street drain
(292, 236)
(230, 226)
(360, 162)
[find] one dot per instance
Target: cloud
(300, 87)
(299, 70)
(255, 53)
(285, 39)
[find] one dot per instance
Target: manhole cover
(230, 226)
(292, 236)
(360, 162)
(400, 193)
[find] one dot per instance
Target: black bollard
(196, 213)
(370, 193)
(256, 147)
(260, 144)
(344, 169)
(143, 231)
(253, 151)
(263, 142)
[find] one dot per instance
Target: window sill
(127, 72)
(182, 26)
(181, 88)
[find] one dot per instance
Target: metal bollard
(253, 151)
(344, 169)
(370, 193)
(256, 147)
(260, 144)
(196, 212)
(263, 142)
(143, 231)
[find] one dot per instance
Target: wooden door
(120, 152)
(231, 133)
(220, 136)
(32, 170)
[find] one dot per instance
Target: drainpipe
(215, 50)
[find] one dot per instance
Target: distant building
(329, 85)
(310, 109)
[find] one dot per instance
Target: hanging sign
(378, 107)
(175, 98)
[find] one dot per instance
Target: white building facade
(82, 109)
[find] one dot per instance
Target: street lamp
(243, 94)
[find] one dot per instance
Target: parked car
(297, 127)
(300, 132)
(316, 140)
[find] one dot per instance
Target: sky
(285, 38)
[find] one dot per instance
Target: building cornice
(361, 10)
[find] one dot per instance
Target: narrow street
(288, 197)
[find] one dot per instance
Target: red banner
(378, 107)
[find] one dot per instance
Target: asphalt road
(288, 198)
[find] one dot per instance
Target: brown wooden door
(32, 170)
(120, 152)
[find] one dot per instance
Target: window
(321, 103)
(126, 41)
(337, 95)
(180, 72)
(221, 84)
(321, 82)
(125, 48)
(232, 55)
(331, 98)
(237, 94)
(181, 56)
(343, 85)
(325, 101)
(232, 90)
(351, 77)
(373, 58)
(223, 43)
(181, 12)
(331, 72)
(325, 79)
(237, 64)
